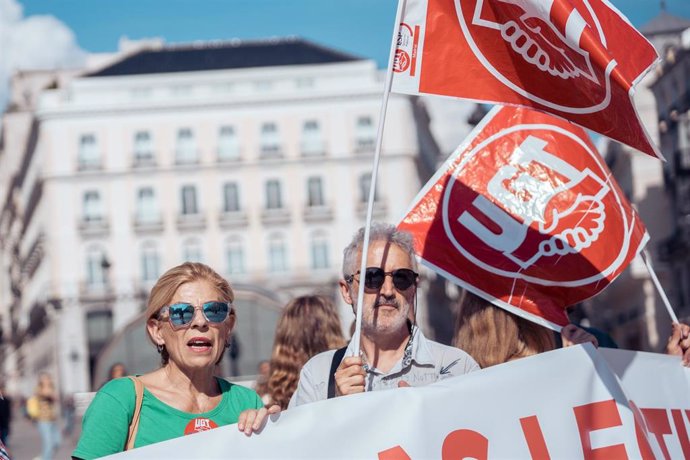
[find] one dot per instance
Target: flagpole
(374, 174)
(648, 263)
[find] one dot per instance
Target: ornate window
(189, 200)
(273, 194)
(186, 151)
(228, 144)
(89, 154)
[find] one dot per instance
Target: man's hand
(679, 343)
(349, 377)
(253, 420)
(573, 335)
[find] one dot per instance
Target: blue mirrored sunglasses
(182, 314)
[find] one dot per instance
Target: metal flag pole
(374, 174)
(648, 263)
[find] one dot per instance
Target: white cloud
(34, 42)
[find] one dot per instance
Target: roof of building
(665, 23)
(233, 54)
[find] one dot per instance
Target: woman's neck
(201, 381)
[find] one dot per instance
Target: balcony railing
(313, 149)
(323, 213)
(186, 157)
(365, 144)
(379, 212)
(144, 160)
(229, 155)
(233, 219)
(268, 151)
(148, 224)
(93, 226)
(275, 216)
(90, 164)
(195, 221)
(96, 291)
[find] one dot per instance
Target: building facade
(253, 157)
(630, 309)
(672, 93)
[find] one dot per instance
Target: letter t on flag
(526, 214)
(577, 59)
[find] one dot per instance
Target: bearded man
(393, 351)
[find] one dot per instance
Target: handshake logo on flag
(532, 34)
(536, 187)
(549, 40)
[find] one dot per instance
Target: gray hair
(378, 231)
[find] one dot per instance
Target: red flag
(525, 213)
(577, 59)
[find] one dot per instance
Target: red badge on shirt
(199, 424)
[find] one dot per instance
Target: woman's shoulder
(117, 387)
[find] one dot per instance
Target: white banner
(660, 387)
(563, 404)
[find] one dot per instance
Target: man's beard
(392, 322)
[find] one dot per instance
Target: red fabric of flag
(577, 59)
(526, 214)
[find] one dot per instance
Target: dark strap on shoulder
(337, 357)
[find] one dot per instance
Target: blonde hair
(308, 325)
(493, 336)
(167, 285)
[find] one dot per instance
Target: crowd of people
(190, 318)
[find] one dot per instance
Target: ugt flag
(525, 213)
(577, 59)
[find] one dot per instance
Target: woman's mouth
(200, 344)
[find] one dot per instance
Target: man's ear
(153, 326)
(345, 292)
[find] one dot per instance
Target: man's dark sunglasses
(182, 314)
(374, 278)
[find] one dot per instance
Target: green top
(106, 422)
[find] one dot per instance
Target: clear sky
(362, 27)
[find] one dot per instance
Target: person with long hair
(308, 326)
(494, 336)
(189, 319)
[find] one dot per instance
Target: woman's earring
(160, 348)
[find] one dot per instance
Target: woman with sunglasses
(190, 317)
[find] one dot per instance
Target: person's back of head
(116, 371)
(493, 336)
(308, 326)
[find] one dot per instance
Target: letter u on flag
(577, 59)
(526, 214)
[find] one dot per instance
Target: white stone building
(253, 157)
(631, 309)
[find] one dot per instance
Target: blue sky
(362, 27)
